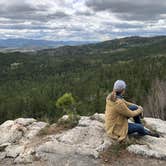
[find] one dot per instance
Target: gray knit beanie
(119, 85)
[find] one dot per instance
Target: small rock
(98, 117)
(14, 150)
(84, 121)
(26, 156)
(25, 121)
(63, 119)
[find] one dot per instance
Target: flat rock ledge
(81, 144)
(151, 146)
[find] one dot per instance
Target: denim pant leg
(135, 127)
(136, 118)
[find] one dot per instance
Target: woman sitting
(117, 112)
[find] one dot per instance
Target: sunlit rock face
(151, 146)
(15, 135)
(81, 144)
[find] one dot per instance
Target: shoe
(154, 134)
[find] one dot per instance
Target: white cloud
(75, 20)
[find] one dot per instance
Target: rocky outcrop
(82, 144)
(16, 135)
(151, 146)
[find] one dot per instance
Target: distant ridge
(108, 46)
(24, 45)
(33, 44)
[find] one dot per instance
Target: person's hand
(140, 107)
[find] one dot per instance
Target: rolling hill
(31, 82)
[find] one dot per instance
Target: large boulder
(10, 132)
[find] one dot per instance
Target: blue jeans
(137, 126)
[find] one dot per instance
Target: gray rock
(84, 141)
(15, 135)
(79, 146)
(25, 121)
(26, 156)
(152, 146)
(145, 150)
(18, 130)
(157, 124)
(63, 118)
(98, 117)
(10, 133)
(14, 150)
(6, 124)
(34, 128)
(2, 155)
(84, 121)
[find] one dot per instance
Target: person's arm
(123, 110)
(129, 103)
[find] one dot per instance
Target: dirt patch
(48, 130)
(53, 129)
(117, 155)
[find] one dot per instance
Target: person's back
(117, 112)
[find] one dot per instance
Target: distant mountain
(31, 82)
(21, 43)
(110, 47)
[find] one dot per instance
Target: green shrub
(67, 104)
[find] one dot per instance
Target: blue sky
(93, 20)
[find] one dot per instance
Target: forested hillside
(31, 83)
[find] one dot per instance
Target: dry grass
(119, 150)
(155, 105)
(60, 126)
(114, 152)
(53, 129)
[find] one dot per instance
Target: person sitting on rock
(117, 112)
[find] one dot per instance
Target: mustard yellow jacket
(116, 118)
